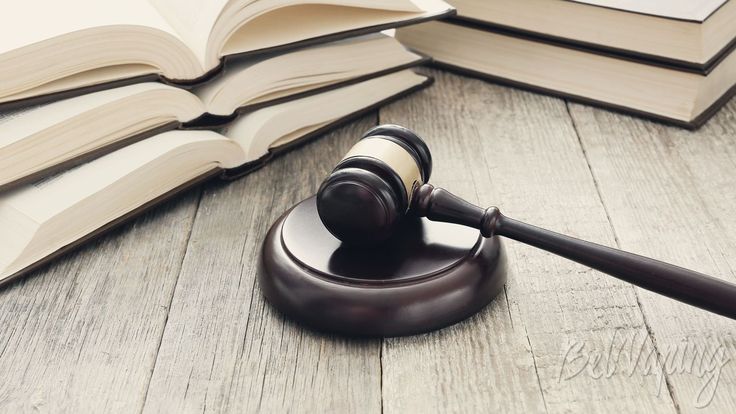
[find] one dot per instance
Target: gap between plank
(511, 318)
(200, 192)
(650, 333)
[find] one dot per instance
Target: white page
(193, 19)
(196, 20)
(22, 124)
(301, 70)
(29, 21)
(257, 131)
(72, 186)
(678, 9)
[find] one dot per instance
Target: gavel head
(371, 188)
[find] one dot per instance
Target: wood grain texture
(82, 335)
(670, 195)
(496, 145)
(225, 349)
(165, 315)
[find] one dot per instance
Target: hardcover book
(688, 34)
(75, 46)
(38, 141)
(102, 193)
(640, 87)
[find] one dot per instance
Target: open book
(73, 44)
(40, 141)
(95, 196)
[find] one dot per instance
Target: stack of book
(111, 107)
(671, 60)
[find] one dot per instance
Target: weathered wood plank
(519, 151)
(82, 335)
(224, 348)
(670, 194)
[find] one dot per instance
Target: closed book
(640, 87)
(690, 35)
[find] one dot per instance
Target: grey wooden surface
(165, 314)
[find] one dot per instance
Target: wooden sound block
(428, 276)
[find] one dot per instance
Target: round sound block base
(428, 276)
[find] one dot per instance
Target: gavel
(384, 178)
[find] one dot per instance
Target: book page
(53, 213)
(257, 132)
(19, 125)
(194, 20)
(300, 71)
(91, 77)
(75, 185)
(61, 132)
(268, 26)
(26, 22)
(208, 24)
(697, 10)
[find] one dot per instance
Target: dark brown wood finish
(427, 276)
(697, 289)
(360, 204)
(166, 314)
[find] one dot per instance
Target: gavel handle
(697, 289)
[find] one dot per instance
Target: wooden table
(165, 315)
